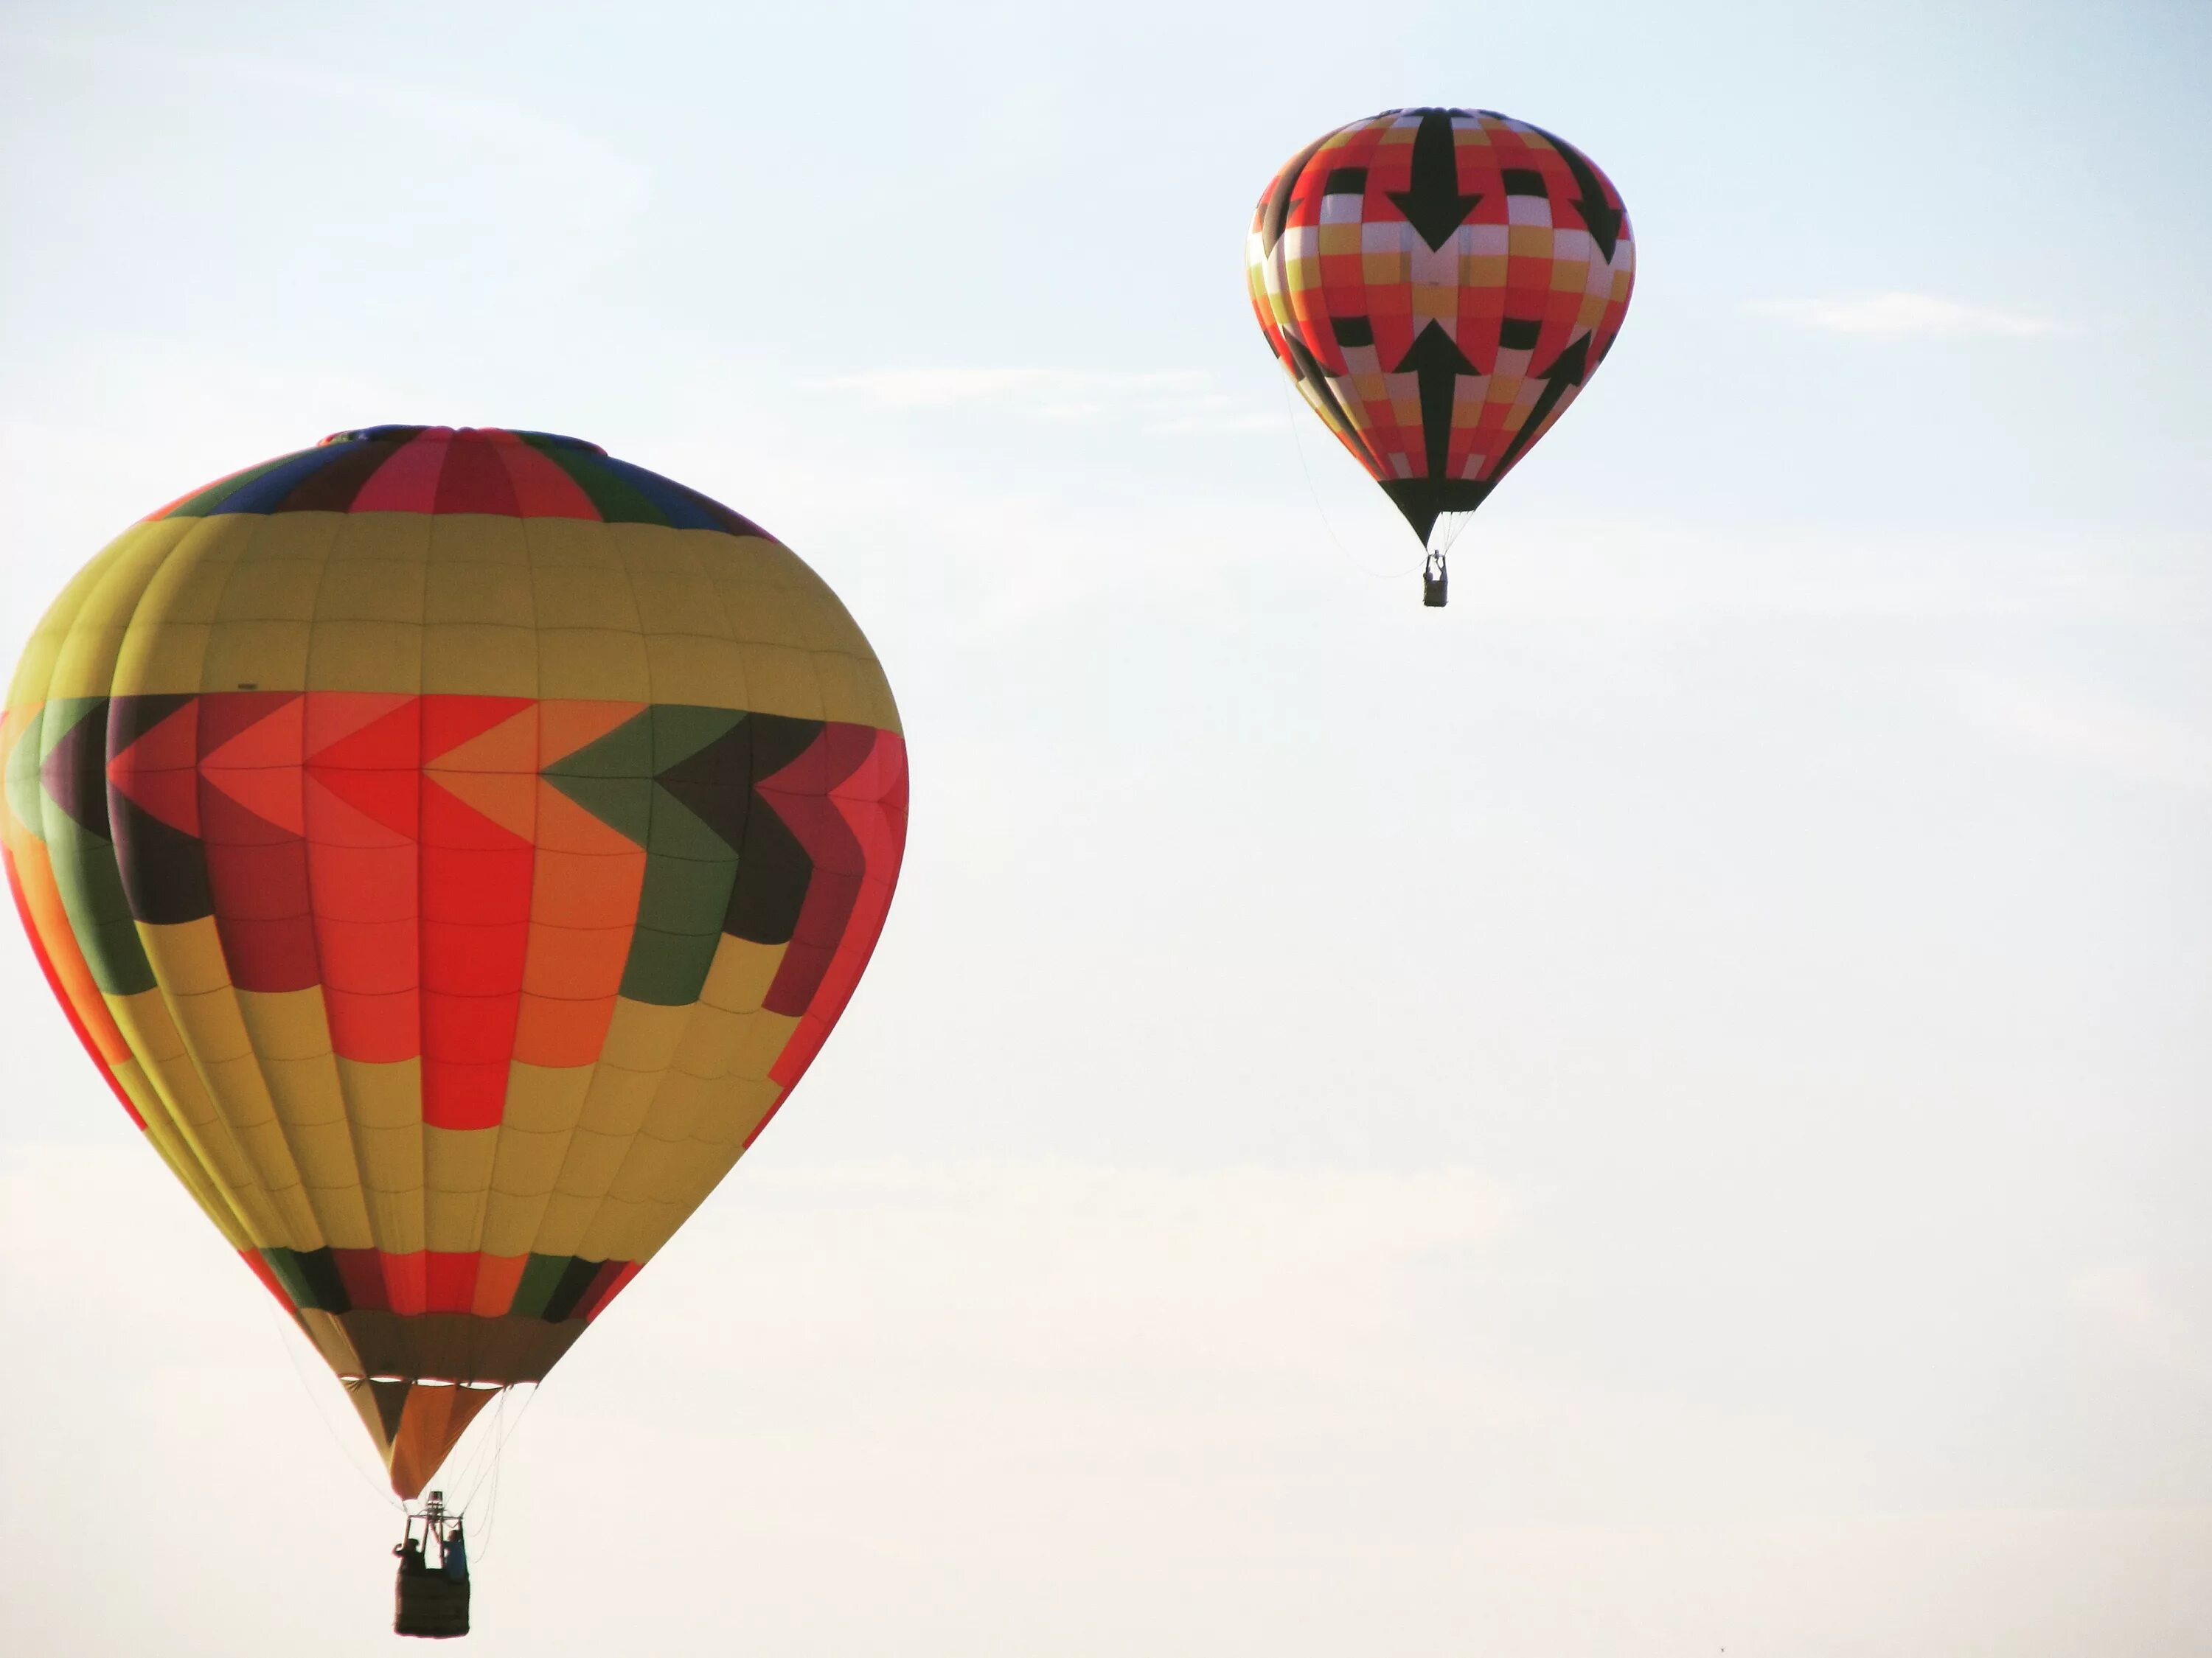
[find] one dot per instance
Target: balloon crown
(497, 434)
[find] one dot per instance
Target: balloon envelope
(1440, 283)
(451, 847)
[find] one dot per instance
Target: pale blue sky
(1661, 1108)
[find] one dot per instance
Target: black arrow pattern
(1433, 204)
(1599, 215)
(1330, 315)
(1570, 367)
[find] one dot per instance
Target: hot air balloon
(451, 847)
(1440, 283)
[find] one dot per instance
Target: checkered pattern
(1439, 307)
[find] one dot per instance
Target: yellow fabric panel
(252, 655)
(304, 538)
(592, 665)
(542, 1106)
(269, 590)
(545, 1099)
(344, 601)
(473, 590)
(782, 677)
(474, 659)
(404, 537)
(188, 956)
(162, 1134)
(641, 1041)
(674, 597)
(290, 1025)
(479, 537)
(195, 983)
(716, 1037)
(100, 599)
(641, 1037)
(372, 590)
(384, 1103)
(705, 1098)
(457, 1167)
(704, 672)
(854, 691)
(180, 1098)
(739, 977)
(354, 655)
(582, 596)
(291, 1037)
(166, 648)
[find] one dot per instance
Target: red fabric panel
(361, 1272)
(160, 770)
(449, 1281)
(408, 483)
(473, 480)
(406, 1283)
(872, 803)
(606, 1284)
(542, 489)
(253, 1259)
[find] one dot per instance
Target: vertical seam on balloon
(475, 1327)
(244, 1206)
(652, 806)
(347, 1098)
(544, 1201)
(691, 1014)
(244, 1202)
(207, 1188)
(422, 724)
(538, 652)
(251, 526)
(258, 527)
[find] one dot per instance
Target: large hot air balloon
(451, 847)
(1440, 283)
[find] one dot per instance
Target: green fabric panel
(625, 752)
(26, 794)
(611, 777)
(99, 912)
(687, 894)
(677, 831)
(689, 872)
(619, 502)
(680, 729)
(668, 969)
(285, 1266)
(539, 1279)
(623, 804)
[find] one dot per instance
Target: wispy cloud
(1895, 315)
(1170, 400)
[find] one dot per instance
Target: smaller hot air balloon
(1440, 283)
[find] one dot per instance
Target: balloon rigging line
(501, 1435)
(1297, 444)
(323, 1415)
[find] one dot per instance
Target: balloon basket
(431, 1600)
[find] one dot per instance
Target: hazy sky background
(1661, 1108)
